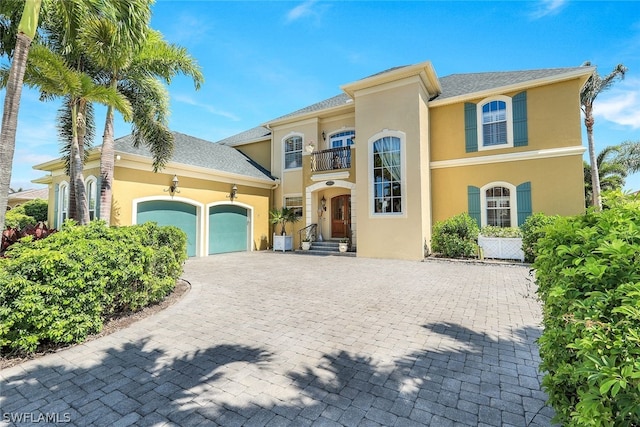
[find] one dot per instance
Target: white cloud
(210, 108)
(621, 104)
(547, 8)
(308, 9)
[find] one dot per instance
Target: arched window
(498, 201)
(293, 152)
(387, 174)
(63, 202)
(91, 185)
(495, 123)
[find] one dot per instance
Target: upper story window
(92, 196)
(293, 152)
(342, 139)
(496, 122)
(387, 175)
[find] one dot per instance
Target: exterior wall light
(173, 188)
(234, 193)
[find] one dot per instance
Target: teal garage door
(227, 229)
(166, 212)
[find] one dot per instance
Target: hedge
(588, 275)
(456, 237)
(62, 288)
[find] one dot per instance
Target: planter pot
(342, 247)
(282, 243)
(306, 246)
(501, 247)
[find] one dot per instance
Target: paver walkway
(271, 339)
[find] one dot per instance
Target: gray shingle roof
(193, 151)
(463, 84)
(452, 86)
(248, 135)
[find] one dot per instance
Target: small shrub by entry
(61, 289)
(533, 230)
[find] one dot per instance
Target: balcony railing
(331, 159)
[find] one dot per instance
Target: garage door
(228, 229)
(166, 212)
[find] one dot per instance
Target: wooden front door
(341, 216)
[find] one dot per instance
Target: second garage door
(228, 229)
(165, 212)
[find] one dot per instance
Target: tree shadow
(459, 377)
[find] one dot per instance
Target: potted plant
(343, 246)
(282, 216)
(306, 243)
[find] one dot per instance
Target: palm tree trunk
(77, 163)
(10, 119)
(107, 166)
(26, 32)
(596, 198)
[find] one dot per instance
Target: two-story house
(378, 163)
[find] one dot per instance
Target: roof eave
(583, 74)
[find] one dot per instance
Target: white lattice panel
(501, 248)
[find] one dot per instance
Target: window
(293, 152)
(494, 123)
(295, 204)
(92, 196)
(387, 175)
(498, 205)
(63, 202)
(342, 139)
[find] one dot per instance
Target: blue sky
(263, 59)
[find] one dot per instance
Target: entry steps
(326, 247)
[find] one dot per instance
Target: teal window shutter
(473, 194)
(520, 131)
(523, 200)
(56, 191)
(470, 127)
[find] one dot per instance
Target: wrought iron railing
(331, 159)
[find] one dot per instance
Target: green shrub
(505, 232)
(36, 208)
(456, 237)
(532, 230)
(16, 218)
(61, 289)
(588, 275)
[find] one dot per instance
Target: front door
(341, 216)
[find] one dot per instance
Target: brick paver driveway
(279, 339)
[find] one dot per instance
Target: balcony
(331, 159)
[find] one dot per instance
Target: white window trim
(284, 163)
(62, 206)
(94, 180)
(337, 131)
(403, 164)
(508, 103)
(512, 202)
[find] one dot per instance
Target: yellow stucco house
(378, 164)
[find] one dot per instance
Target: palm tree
(133, 68)
(26, 33)
(611, 172)
(590, 91)
(50, 73)
(629, 155)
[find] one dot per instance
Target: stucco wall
(557, 185)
